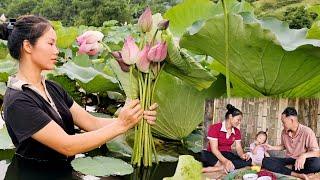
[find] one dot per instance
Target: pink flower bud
(124, 67)
(163, 25)
(158, 52)
(143, 62)
(145, 20)
(130, 51)
(116, 55)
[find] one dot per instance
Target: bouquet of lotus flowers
(144, 62)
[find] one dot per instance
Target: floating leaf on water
(194, 142)
(101, 166)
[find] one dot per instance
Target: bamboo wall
(262, 113)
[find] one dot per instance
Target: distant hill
(293, 11)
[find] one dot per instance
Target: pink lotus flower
(145, 20)
(117, 55)
(90, 49)
(89, 42)
(130, 51)
(143, 62)
(158, 52)
(90, 37)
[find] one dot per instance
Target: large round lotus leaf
(120, 145)
(186, 13)
(181, 106)
(265, 55)
(101, 166)
(5, 141)
(89, 78)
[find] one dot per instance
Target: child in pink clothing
(257, 150)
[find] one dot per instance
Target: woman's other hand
(150, 115)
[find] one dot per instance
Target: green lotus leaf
(130, 88)
(7, 67)
(90, 79)
(101, 166)
(187, 169)
(265, 55)
(66, 36)
(194, 142)
(181, 106)
(182, 65)
(5, 141)
(314, 31)
(306, 90)
(188, 12)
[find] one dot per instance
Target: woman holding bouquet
(222, 135)
(40, 115)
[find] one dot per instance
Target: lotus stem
(226, 39)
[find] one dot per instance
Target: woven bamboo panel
(262, 113)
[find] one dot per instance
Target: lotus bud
(143, 62)
(145, 21)
(130, 51)
(158, 52)
(163, 25)
(117, 55)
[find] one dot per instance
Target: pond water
(13, 168)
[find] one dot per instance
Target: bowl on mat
(250, 176)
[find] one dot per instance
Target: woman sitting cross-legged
(222, 135)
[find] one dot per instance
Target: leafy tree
(20, 7)
(56, 10)
(298, 17)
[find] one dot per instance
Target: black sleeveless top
(26, 112)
